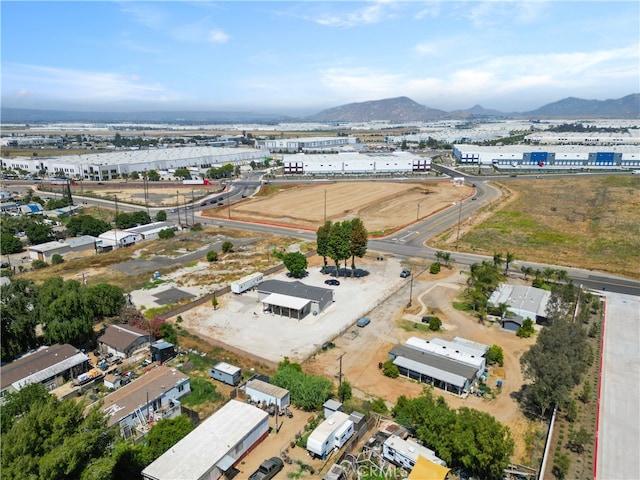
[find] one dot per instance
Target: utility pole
(459, 220)
(325, 205)
(340, 378)
(115, 200)
(193, 208)
(178, 205)
(410, 290)
(418, 214)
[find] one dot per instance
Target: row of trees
(308, 392)
(465, 438)
(342, 241)
(66, 310)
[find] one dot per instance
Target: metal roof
(447, 349)
(294, 289)
(227, 368)
(522, 297)
(207, 446)
(121, 337)
(286, 301)
(267, 388)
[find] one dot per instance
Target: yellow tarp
(427, 470)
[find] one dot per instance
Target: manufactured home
(264, 392)
(247, 283)
(330, 434)
(226, 373)
(405, 453)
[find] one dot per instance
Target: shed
(226, 373)
(123, 340)
(111, 381)
(162, 351)
(260, 391)
(331, 406)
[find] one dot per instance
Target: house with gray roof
(293, 299)
(523, 301)
(123, 340)
(52, 366)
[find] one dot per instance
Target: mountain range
(394, 110)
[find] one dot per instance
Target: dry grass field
(584, 222)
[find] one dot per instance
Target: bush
(526, 330)
(227, 247)
(379, 406)
(56, 259)
(434, 324)
(212, 256)
(390, 370)
(39, 264)
(435, 268)
(166, 233)
(495, 354)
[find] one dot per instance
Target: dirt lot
(382, 206)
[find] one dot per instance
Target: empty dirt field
(382, 206)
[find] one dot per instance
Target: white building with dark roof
(123, 340)
(293, 299)
(214, 447)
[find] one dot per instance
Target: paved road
(618, 439)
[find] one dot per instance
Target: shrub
(39, 264)
(227, 247)
(379, 406)
(526, 330)
(390, 370)
(435, 268)
(166, 233)
(434, 324)
(495, 354)
(212, 256)
(56, 259)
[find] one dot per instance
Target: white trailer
(229, 374)
(247, 283)
(344, 433)
(263, 392)
(323, 439)
(405, 453)
(197, 181)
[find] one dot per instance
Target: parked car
(474, 198)
(426, 319)
(332, 281)
(268, 469)
(405, 273)
(363, 322)
(203, 204)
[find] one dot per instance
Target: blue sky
(299, 57)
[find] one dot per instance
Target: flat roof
(412, 450)
(197, 453)
(447, 349)
(335, 420)
(286, 301)
(522, 297)
(295, 289)
(227, 368)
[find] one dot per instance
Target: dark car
(426, 319)
(332, 281)
(203, 204)
(268, 469)
(212, 201)
(474, 198)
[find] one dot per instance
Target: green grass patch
(153, 284)
(462, 306)
(409, 326)
(200, 363)
(201, 391)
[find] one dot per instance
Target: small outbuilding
(263, 392)
(293, 299)
(162, 351)
(123, 340)
(226, 373)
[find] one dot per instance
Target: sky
(300, 57)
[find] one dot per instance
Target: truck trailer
(226, 373)
(247, 283)
(197, 181)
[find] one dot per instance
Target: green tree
(168, 333)
(526, 329)
(345, 391)
(212, 256)
(308, 392)
(322, 242)
(153, 176)
(296, 263)
(389, 369)
(434, 324)
(338, 248)
(526, 271)
(586, 393)
(508, 260)
(87, 225)
(56, 259)
(38, 233)
(105, 300)
(571, 411)
(561, 464)
(227, 247)
(434, 268)
(39, 264)
(165, 434)
(9, 244)
(379, 406)
(161, 216)
(495, 355)
(358, 240)
(17, 404)
(166, 233)
(578, 439)
(183, 173)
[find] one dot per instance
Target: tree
(586, 393)
(212, 256)
(495, 355)
(358, 240)
(168, 333)
(296, 263)
(379, 406)
(161, 216)
(308, 392)
(9, 244)
(338, 247)
(227, 247)
(87, 225)
(561, 464)
(18, 320)
(322, 242)
(389, 369)
(434, 268)
(345, 391)
(526, 329)
(526, 271)
(183, 173)
(497, 259)
(39, 264)
(106, 300)
(510, 258)
(434, 324)
(153, 176)
(578, 439)
(165, 434)
(56, 259)
(38, 233)
(166, 233)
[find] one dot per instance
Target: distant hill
(22, 115)
(625, 107)
(395, 110)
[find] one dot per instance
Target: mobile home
(330, 434)
(246, 283)
(405, 453)
(226, 373)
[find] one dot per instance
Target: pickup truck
(268, 469)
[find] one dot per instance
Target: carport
(286, 306)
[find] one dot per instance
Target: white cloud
(147, 14)
(218, 36)
(364, 16)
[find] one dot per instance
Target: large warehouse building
(214, 447)
(352, 163)
(109, 165)
(551, 157)
(308, 143)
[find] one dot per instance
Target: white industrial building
(551, 157)
(215, 446)
(352, 163)
(630, 137)
(109, 165)
(307, 143)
